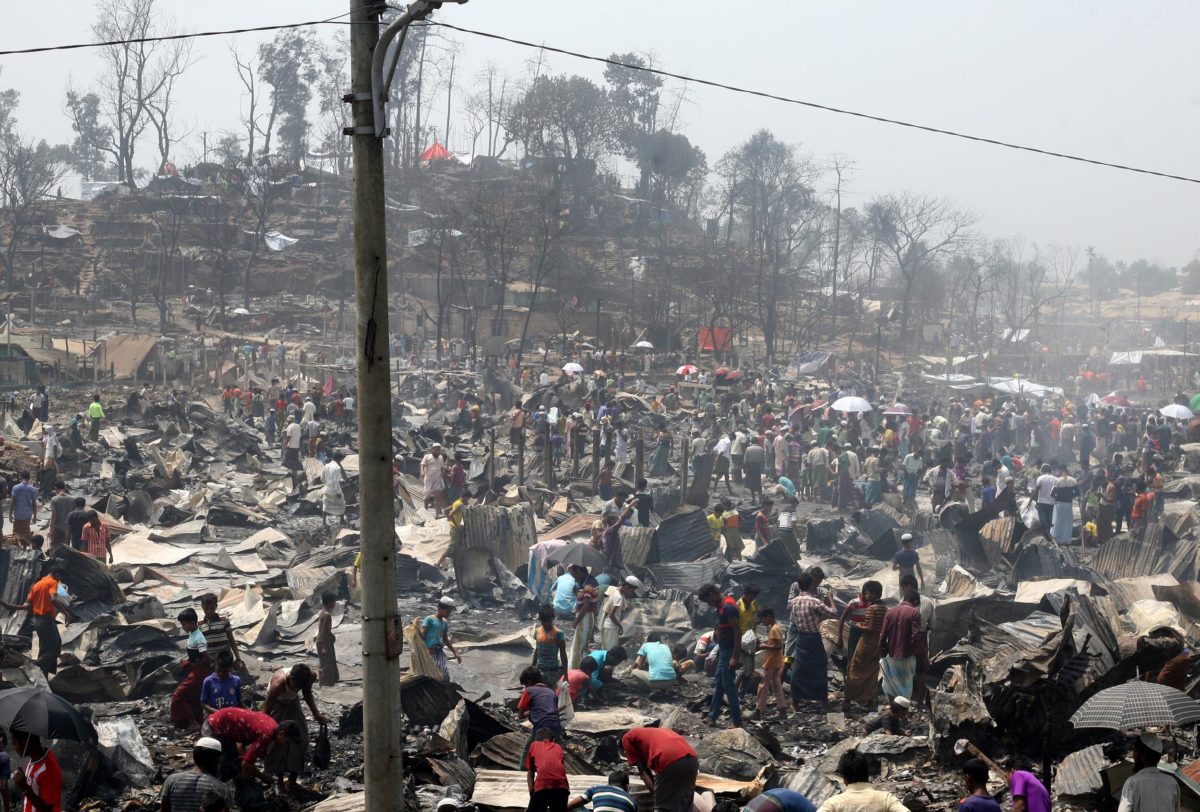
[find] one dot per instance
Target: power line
(169, 37)
(817, 106)
(657, 71)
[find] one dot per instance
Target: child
(550, 647)
(222, 689)
(987, 491)
(548, 786)
(186, 711)
(579, 680)
(772, 683)
(325, 651)
(605, 662)
(539, 703)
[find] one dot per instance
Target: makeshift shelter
(436, 152)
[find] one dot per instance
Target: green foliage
(564, 117)
(91, 137)
(286, 64)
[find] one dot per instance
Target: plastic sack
(322, 751)
(566, 708)
(1029, 517)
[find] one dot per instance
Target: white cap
(906, 537)
(448, 603)
(1151, 742)
(208, 743)
(633, 581)
(447, 803)
(902, 702)
(437, 445)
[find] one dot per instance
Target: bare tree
(252, 98)
(137, 74)
(916, 232)
(28, 172)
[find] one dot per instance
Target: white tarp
(420, 236)
(950, 377)
(1125, 358)
(277, 242)
(59, 232)
(1023, 388)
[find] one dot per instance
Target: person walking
(23, 509)
(96, 413)
(43, 604)
(728, 654)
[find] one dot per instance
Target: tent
(437, 152)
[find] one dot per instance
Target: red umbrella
(1114, 399)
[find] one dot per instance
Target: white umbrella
(898, 408)
(572, 368)
(687, 369)
(1177, 411)
(240, 311)
(852, 404)
(644, 345)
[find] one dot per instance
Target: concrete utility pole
(370, 76)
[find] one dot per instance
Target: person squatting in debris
(187, 711)
(248, 736)
(284, 692)
(435, 632)
(186, 791)
(611, 797)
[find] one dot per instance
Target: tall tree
(286, 64)
(29, 171)
(564, 117)
(778, 218)
(635, 96)
(91, 136)
(138, 73)
(916, 232)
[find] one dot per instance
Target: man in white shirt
(309, 409)
(721, 453)
(1044, 488)
(292, 436)
(1149, 789)
(737, 452)
(348, 405)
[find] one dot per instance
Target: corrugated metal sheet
(1039, 560)
(505, 532)
(877, 525)
(1185, 563)
(636, 543)
(945, 548)
(1124, 556)
(809, 782)
(579, 524)
(1079, 773)
(1125, 591)
(425, 700)
(504, 751)
(683, 537)
(21, 569)
(124, 353)
(689, 576)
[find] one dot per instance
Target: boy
(539, 703)
(549, 790)
(654, 667)
(218, 632)
(325, 640)
(221, 689)
(186, 711)
(550, 647)
(975, 776)
(606, 662)
(772, 683)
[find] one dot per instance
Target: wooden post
(548, 458)
(596, 461)
(521, 456)
(639, 455)
(492, 461)
(683, 472)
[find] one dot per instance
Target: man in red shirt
(898, 644)
(667, 764)
(253, 733)
(549, 789)
(40, 782)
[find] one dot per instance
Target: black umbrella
(578, 553)
(44, 714)
(1137, 704)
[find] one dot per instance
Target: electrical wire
(816, 105)
(169, 37)
(656, 71)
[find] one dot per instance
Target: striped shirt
(216, 632)
(807, 612)
(605, 797)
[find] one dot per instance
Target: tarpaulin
(59, 232)
(810, 363)
(716, 339)
(277, 242)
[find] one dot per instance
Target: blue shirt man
(24, 500)
(659, 661)
(564, 594)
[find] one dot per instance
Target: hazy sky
(1104, 79)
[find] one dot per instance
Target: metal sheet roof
(125, 353)
(1079, 773)
(683, 537)
(689, 576)
(1124, 556)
